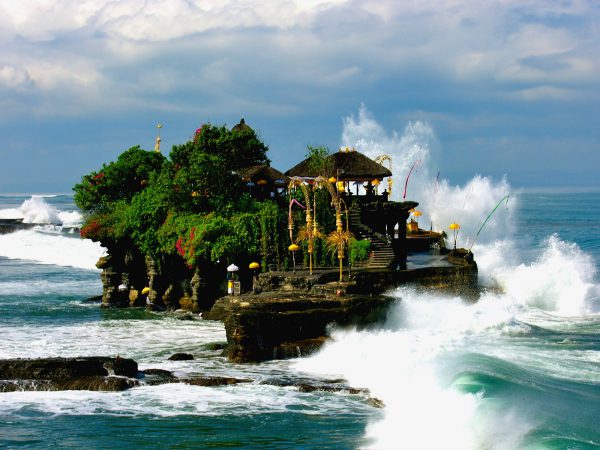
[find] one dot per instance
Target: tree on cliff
(154, 203)
(118, 180)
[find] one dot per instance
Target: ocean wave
(46, 248)
(560, 279)
(36, 210)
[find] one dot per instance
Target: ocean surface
(519, 369)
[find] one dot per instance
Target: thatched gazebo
(260, 180)
(345, 165)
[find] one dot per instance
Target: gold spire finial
(158, 139)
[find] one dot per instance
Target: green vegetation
(192, 210)
(192, 206)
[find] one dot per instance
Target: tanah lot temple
(286, 313)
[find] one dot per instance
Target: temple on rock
(370, 214)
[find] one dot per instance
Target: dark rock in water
(327, 386)
(159, 373)
(88, 373)
(215, 346)
(297, 349)
(181, 357)
(273, 326)
(12, 225)
(94, 299)
(106, 384)
(154, 377)
(214, 381)
(303, 387)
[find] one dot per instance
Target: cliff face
(132, 279)
(292, 317)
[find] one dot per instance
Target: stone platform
(291, 316)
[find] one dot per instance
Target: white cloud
(15, 77)
(140, 48)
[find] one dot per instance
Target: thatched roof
(349, 165)
(242, 126)
(263, 172)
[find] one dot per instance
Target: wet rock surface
(58, 374)
(12, 225)
(102, 374)
(61, 368)
(292, 317)
(181, 357)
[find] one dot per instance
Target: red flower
(198, 133)
(179, 247)
(91, 230)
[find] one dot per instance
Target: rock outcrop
(57, 374)
(292, 317)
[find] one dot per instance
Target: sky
(504, 87)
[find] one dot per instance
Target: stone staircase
(382, 254)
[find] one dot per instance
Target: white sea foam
(37, 210)
(147, 341)
(55, 249)
(170, 400)
(403, 363)
(150, 342)
(401, 367)
(52, 287)
(560, 279)
(11, 213)
(440, 202)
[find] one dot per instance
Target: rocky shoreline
(291, 318)
(12, 225)
(119, 374)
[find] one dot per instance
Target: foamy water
(517, 369)
(46, 248)
(407, 361)
(53, 240)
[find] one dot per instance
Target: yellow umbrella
(455, 227)
(332, 180)
(294, 248)
(254, 265)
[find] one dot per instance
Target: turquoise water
(520, 369)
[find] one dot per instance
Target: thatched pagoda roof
(263, 172)
(242, 126)
(345, 165)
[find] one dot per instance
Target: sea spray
(560, 279)
(61, 250)
(416, 142)
(440, 202)
(54, 240)
(401, 365)
(419, 362)
(430, 362)
(36, 210)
